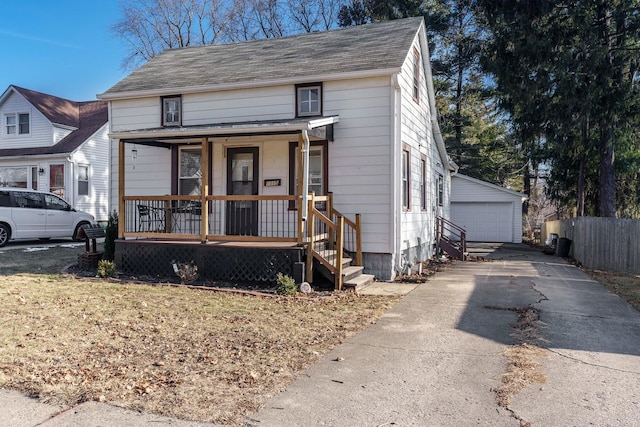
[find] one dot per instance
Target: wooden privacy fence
(608, 244)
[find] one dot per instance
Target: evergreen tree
(567, 74)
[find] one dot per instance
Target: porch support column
(122, 215)
(305, 173)
(300, 201)
(204, 207)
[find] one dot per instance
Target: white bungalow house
(275, 143)
(53, 144)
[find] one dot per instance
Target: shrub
(111, 234)
(286, 285)
(186, 271)
(106, 268)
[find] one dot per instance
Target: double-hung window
(318, 164)
(416, 76)
(190, 171)
(83, 180)
(440, 190)
(172, 111)
(406, 178)
(309, 100)
(17, 124)
(423, 181)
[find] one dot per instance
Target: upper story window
(309, 100)
(17, 124)
(172, 111)
(416, 75)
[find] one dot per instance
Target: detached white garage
(488, 212)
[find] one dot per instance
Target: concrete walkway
(435, 358)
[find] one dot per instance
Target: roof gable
(87, 117)
(381, 46)
(56, 110)
(489, 185)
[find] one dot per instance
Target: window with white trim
(309, 100)
(83, 180)
(440, 190)
(17, 124)
(172, 111)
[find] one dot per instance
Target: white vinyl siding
(417, 224)
(94, 153)
(40, 129)
(359, 162)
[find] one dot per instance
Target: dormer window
(17, 124)
(309, 100)
(172, 111)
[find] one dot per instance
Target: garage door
(484, 222)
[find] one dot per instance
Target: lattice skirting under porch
(215, 261)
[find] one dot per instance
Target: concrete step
(358, 282)
(351, 272)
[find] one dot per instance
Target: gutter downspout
(305, 175)
(396, 167)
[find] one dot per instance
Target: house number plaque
(272, 182)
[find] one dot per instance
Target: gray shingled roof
(361, 48)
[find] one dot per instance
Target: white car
(30, 214)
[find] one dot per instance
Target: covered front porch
(233, 230)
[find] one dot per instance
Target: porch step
(351, 272)
(358, 282)
(330, 255)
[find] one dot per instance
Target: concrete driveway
(435, 358)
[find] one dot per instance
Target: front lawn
(182, 352)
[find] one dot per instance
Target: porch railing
(253, 218)
(332, 237)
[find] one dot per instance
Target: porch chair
(150, 219)
(194, 215)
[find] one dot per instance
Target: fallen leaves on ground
(186, 353)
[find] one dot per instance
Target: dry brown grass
(627, 286)
(181, 352)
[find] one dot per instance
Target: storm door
(242, 180)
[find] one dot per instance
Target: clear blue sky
(64, 48)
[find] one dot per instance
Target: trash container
(563, 247)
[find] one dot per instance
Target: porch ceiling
(319, 127)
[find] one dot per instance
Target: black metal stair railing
(451, 238)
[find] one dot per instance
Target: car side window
(27, 200)
(53, 202)
(5, 199)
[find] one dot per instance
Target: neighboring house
(53, 144)
(245, 131)
(488, 213)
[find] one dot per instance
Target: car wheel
(76, 233)
(5, 235)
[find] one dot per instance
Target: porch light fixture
(40, 171)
